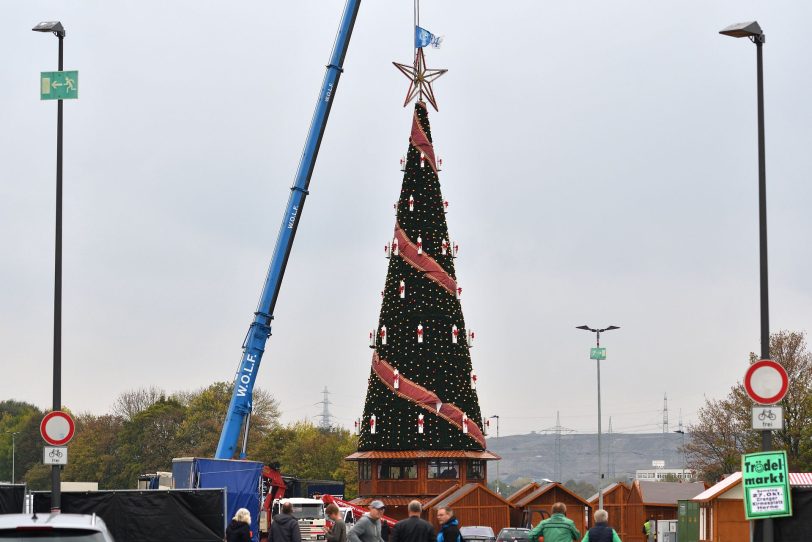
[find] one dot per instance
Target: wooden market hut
(614, 502)
(721, 511)
(533, 503)
(721, 508)
(516, 496)
(473, 504)
(655, 500)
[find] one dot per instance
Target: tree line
(146, 428)
(722, 432)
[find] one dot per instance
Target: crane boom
(254, 345)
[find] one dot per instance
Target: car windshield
(477, 532)
(308, 511)
(509, 534)
(51, 535)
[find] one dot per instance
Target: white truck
(310, 515)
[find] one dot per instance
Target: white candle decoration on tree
(439, 405)
(396, 384)
(473, 380)
(383, 335)
(372, 338)
(470, 338)
(420, 333)
(456, 249)
(459, 292)
(403, 163)
(402, 289)
(419, 245)
(388, 250)
(373, 422)
(464, 423)
(422, 159)
(411, 203)
(395, 248)
(420, 424)
(455, 333)
(357, 426)
(444, 247)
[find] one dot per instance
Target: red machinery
(357, 511)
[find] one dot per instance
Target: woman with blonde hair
(239, 530)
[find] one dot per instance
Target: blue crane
(239, 410)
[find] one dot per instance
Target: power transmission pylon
(325, 415)
(557, 430)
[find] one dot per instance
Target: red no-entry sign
(57, 428)
(766, 382)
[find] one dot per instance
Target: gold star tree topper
(420, 79)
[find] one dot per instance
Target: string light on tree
(420, 343)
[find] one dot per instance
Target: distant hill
(533, 455)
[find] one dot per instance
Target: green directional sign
(765, 481)
(59, 85)
(597, 353)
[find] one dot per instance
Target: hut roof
(533, 495)
(668, 493)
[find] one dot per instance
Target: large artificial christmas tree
(422, 387)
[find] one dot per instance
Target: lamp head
(50, 26)
(610, 328)
(584, 327)
(749, 29)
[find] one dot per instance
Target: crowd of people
(371, 527)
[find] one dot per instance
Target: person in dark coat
(413, 528)
(601, 532)
(284, 527)
(239, 530)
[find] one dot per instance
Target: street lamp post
(498, 489)
(13, 451)
(753, 32)
(58, 30)
(597, 333)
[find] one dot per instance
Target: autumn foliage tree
(723, 431)
(146, 428)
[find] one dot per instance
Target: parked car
(513, 534)
(53, 527)
(478, 533)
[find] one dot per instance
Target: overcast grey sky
(599, 158)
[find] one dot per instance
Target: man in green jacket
(557, 528)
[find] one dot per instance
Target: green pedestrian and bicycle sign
(59, 85)
(597, 353)
(765, 481)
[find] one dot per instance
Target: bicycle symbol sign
(55, 455)
(768, 417)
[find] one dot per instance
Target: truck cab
(310, 515)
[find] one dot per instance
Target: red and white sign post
(766, 382)
(57, 428)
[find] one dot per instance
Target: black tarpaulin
(12, 498)
(149, 516)
(796, 527)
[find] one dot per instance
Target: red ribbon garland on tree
(424, 398)
(421, 142)
(423, 262)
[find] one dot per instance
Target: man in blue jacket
(449, 526)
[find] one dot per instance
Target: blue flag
(424, 38)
